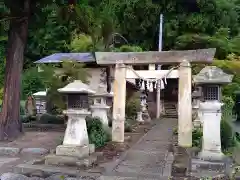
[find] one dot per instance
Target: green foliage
(1, 95)
(27, 119)
(133, 106)
(51, 119)
(2, 70)
(31, 82)
(81, 43)
(128, 124)
(96, 132)
(127, 48)
(197, 137)
(227, 108)
(227, 136)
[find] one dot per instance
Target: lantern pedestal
(75, 148)
(75, 141)
(211, 148)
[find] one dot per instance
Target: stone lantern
(100, 108)
(210, 79)
(75, 143)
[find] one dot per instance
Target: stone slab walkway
(149, 158)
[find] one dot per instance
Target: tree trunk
(10, 124)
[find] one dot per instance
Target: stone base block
(75, 151)
(203, 168)
(211, 156)
(72, 161)
(201, 165)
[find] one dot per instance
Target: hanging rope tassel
(143, 85)
(150, 86)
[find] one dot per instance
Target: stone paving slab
(6, 160)
(130, 178)
(149, 156)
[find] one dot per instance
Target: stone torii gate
(183, 58)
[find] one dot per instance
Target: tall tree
(20, 11)
(19, 16)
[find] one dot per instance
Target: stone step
(29, 169)
(200, 166)
(59, 160)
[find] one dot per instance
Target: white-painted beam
(151, 74)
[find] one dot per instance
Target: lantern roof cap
(77, 86)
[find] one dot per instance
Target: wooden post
(119, 103)
(185, 105)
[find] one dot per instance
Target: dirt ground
(50, 139)
(36, 139)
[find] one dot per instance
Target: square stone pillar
(211, 116)
(185, 105)
(119, 101)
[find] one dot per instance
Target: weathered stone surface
(37, 173)
(12, 176)
(9, 151)
(36, 178)
(91, 148)
(61, 160)
(77, 151)
(87, 162)
(37, 151)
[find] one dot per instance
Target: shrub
(128, 125)
(96, 132)
(133, 106)
(227, 136)
(27, 119)
(197, 137)
(227, 108)
(51, 119)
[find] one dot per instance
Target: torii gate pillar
(185, 105)
(119, 101)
